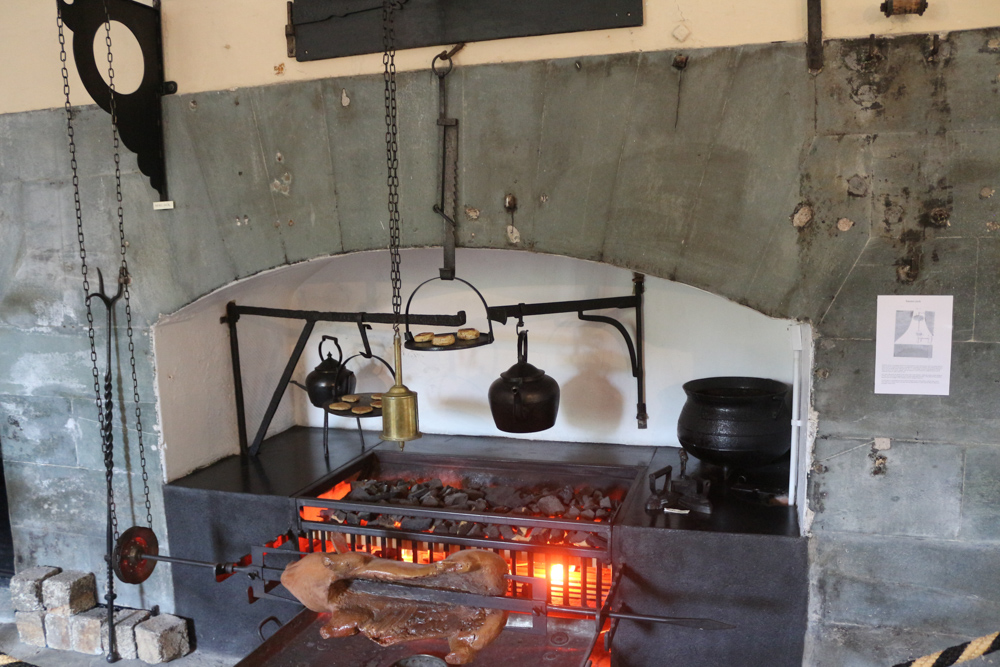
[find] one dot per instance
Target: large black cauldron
(738, 422)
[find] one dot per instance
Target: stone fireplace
(690, 334)
(610, 167)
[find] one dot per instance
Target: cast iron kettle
(330, 379)
(524, 399)
(740, 422)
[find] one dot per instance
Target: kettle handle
(522, 346)
(340, 353)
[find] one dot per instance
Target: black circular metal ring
(406, 317)
(443, 56)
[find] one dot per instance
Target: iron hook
(102, 295)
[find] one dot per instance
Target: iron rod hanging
(447, 206)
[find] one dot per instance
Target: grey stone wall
(48, 420)
(692, 176)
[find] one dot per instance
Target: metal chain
(124, 276)
(99, 399)
(392, 151)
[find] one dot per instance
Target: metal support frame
(635, 350)
(140, 118)
(233, 314)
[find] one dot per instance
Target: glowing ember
(336, 493)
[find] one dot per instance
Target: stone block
(125, 622)
(31, 627)
(34, 146)
(981, 494)
(913, 488)
(578, 154)
(988, 301)
(69, 592)
(85, 630)
(240, 188)
(298, 166)
(61, 498)
(162, 638)
(40, 429)
(57, 635)
(81, 550)
(918, 585)
(963, 417)
(867, 646)
(26, 588)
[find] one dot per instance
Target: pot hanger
(442, 65)
(459, 344)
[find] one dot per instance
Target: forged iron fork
(107, 445)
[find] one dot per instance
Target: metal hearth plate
(298, 644)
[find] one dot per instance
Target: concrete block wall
(691, 176)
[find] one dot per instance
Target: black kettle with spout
(524, 399)
(330, 379)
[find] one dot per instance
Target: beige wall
(236, 43)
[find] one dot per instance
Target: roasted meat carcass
(322, 582)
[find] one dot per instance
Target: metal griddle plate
(298, 644)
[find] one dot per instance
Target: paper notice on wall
(913, 345)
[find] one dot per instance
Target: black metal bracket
(140, 117)
(635, 350)
(814, 41)
(233, 314)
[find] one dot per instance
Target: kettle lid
(522, 371)
(329, 365)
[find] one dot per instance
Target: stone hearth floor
(43, 657)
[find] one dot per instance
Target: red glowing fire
(572, 580)
(336, 493)
(564, 590)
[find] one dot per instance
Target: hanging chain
(102, 419)
(392, 151)
(124, 276)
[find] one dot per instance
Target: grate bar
(580, 552)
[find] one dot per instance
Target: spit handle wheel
(129, 558)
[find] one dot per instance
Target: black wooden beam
(322, 29)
